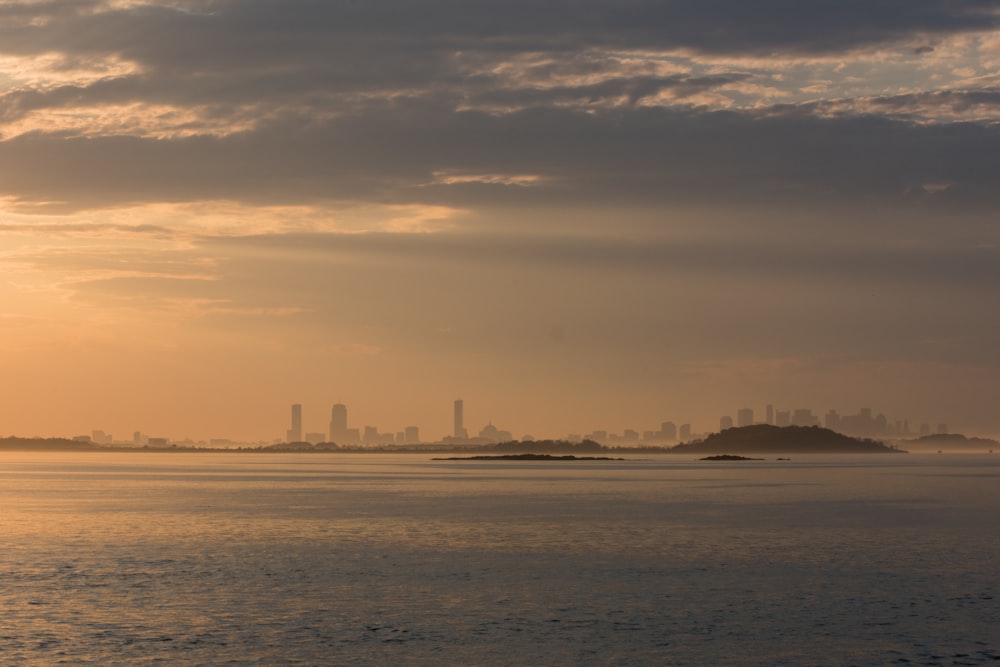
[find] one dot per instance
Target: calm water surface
(306, 559)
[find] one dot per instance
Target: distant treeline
(51, 444)
(955, 441)
(761, 438)
(510, 447)
(548, 446)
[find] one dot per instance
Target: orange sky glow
(212, 209)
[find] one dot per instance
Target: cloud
(622, 156)
(301, 102)
(924, 107)
(219, 31)
(84, 229)
(233, 59)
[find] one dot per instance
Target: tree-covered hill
(761, 438)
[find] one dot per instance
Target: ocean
(383, 559)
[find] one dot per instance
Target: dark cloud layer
(219, 32)
(373, 101)
(625, 157)
(299, 51)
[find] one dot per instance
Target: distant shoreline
(755, 440)
(747, 440)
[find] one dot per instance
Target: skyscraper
(744, 417)
(804, 417)
(295, 432)
(460, 419)
(338, 423)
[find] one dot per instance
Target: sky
(573, 215)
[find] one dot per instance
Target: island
(764, 438)
(729, 457)
(14, 443)
(952, 442)
(526, 457)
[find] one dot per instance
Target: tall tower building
(295, 432)
(832, 420)
(744, 417)
(668, 431)
(338, 423)
(460, 431)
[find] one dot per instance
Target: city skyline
(572, 218)
(674, 428)
(865, 422)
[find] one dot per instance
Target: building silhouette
(295, 432)
(460, 431)
(804, 417)
(338, 423)
(862, 424)
(491, 433)
(668, 431)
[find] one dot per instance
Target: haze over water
(140, 558)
